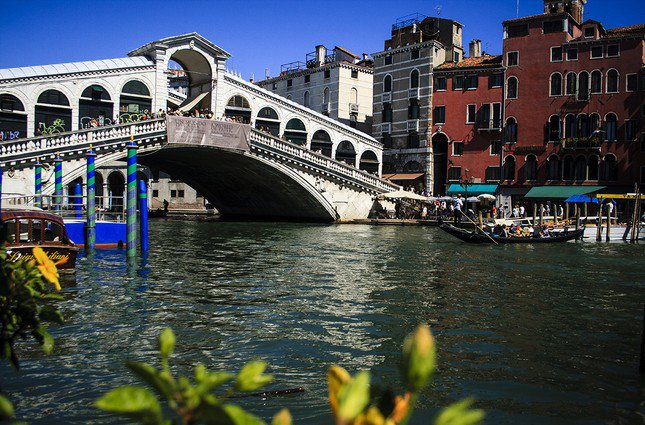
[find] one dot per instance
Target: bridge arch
(321, 141)
(346, 152)
(369, 162)
(295, 131)
(267, 119)
(135, 100)
(238, 108)
(95, 106)
(13, 117)
(199, 70)
(53, 111)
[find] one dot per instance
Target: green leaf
(44, 339)
(354, 396)
(419, 358)
(50, 314)
(226, 414)
(251, 378)
(209, 381)
(133, 402)
(152, 377)
(167, 343)
(283, 417)
(459, 413)
(6, 408)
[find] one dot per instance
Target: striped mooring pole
(38, 178)
(131, 224)
(58, 182)
(0, 194)
(78, 201)
(143, 215)
(90, 224)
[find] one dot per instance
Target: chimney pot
(365, 57)
(320, 55)
(475, 48)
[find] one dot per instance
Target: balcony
(386, 128)
(386, 97)
(488, 125)
(413, 125)
(592, 142)
(413, 93)
(353, 108)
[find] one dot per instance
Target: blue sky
(259, 34)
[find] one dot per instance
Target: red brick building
(467, 118)
(573, 102)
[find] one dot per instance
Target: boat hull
(479, 238)
(63, 256)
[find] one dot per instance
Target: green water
(537, 334)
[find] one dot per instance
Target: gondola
(478, 237)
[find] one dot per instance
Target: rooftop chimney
(365, 56)
(475, 48)
(266, 74)
(251, 79)
(320, 55)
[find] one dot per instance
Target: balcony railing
(386, 128)
(581, 142)
(353, 108)
(413, 93)
(413, 125)
(386, 97)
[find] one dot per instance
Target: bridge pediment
(187, 41)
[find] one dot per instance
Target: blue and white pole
(143, 216)
(58, 182)
(38, 189)
(90, 224)
(131, 224)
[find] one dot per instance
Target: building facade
(573, 101)
(403, 92)
(336, 83)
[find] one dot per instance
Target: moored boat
(24, 229)
(479, 237)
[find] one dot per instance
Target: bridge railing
(30, 148)
(322, 161)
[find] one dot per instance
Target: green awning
(560, 192)
(474, 189)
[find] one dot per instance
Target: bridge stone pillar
(160, 99)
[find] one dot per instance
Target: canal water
(537, 334)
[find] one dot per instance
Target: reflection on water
(538, 334)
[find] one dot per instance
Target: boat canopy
(560, 192)
(581, 199)
(474, 189)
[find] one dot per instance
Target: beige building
(403, 92)
(336, 83)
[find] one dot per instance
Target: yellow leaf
(336, 378)
(283, 417)
(401, 407)
(47, 267)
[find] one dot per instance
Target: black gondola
(479, 237)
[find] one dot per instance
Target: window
(289, 82)
(583, 86)
(327, 73)
(510, 132)
(388, 60)
(572, 54)
(414, 54)
(552, 26)
(568, 168)
(326, 98)
(519, 30)
(572, 84)
(594, 122)
(554, 168)
(592, 168)
(414, 79)
(611, 122)
(596, 52)
(439, 115)
(632, 82)
(458, 82)
(307, 78)
(440, 83)
(457, 148)
(631, 128)
(556, 54)
(274, 85)
(512, 58)
(413, 109)
(556, 85)
(497, 115)
(155, 193)
(456, 56)
(596, 82)
(554, 128)
(509, 168)
(582, 126)
(413, 140)
(354, 73)
(173, 193)
(580, 168)
(495, 147)
(495, 80)
(530, 168)
(590, 32)
(472, 82)
(642, 142)
(306, 99)
(569, 126)
(387, 112)
(612, 81)
(471, 114)
(387, 84)
(613, 50)
(484, 116)
(454, 174)
(180, 193)
(610, 168)
(511, 88)
(492, 174)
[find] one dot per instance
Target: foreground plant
(349, 397)
(25, 303)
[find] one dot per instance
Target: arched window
(510, 130)
(353, 95)
(95, 107)
(135, 102)
(596, 82)
(583, 86)
(569, 126)
(609, 168)
(53, 113)
(554, 128)
(572, 80)
(268, 121)
(511, 88)
(612, 81)
(414, 79)
(530, 168)
(345, 152)
(581, 168)
(582, 126)
(306, 99)
(567, 168)
(592, 170)
(387, 84)
(321, 142)
(594, 122)
(13, 119)
(326, 96)
(556, 84)
(509, 168)
(296, 132)
(611, 123)
(554, 168)
(135, 87)
(238, 101)
(238, 109)
(369, 162)
(53, 97)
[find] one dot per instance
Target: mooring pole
(599, 225)
(143, 216)
(58, 183)
(38, 179)
(541, 215)
(78, 200)
(131, 213)
(0, 194)
(608, 223)
(90, 224)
